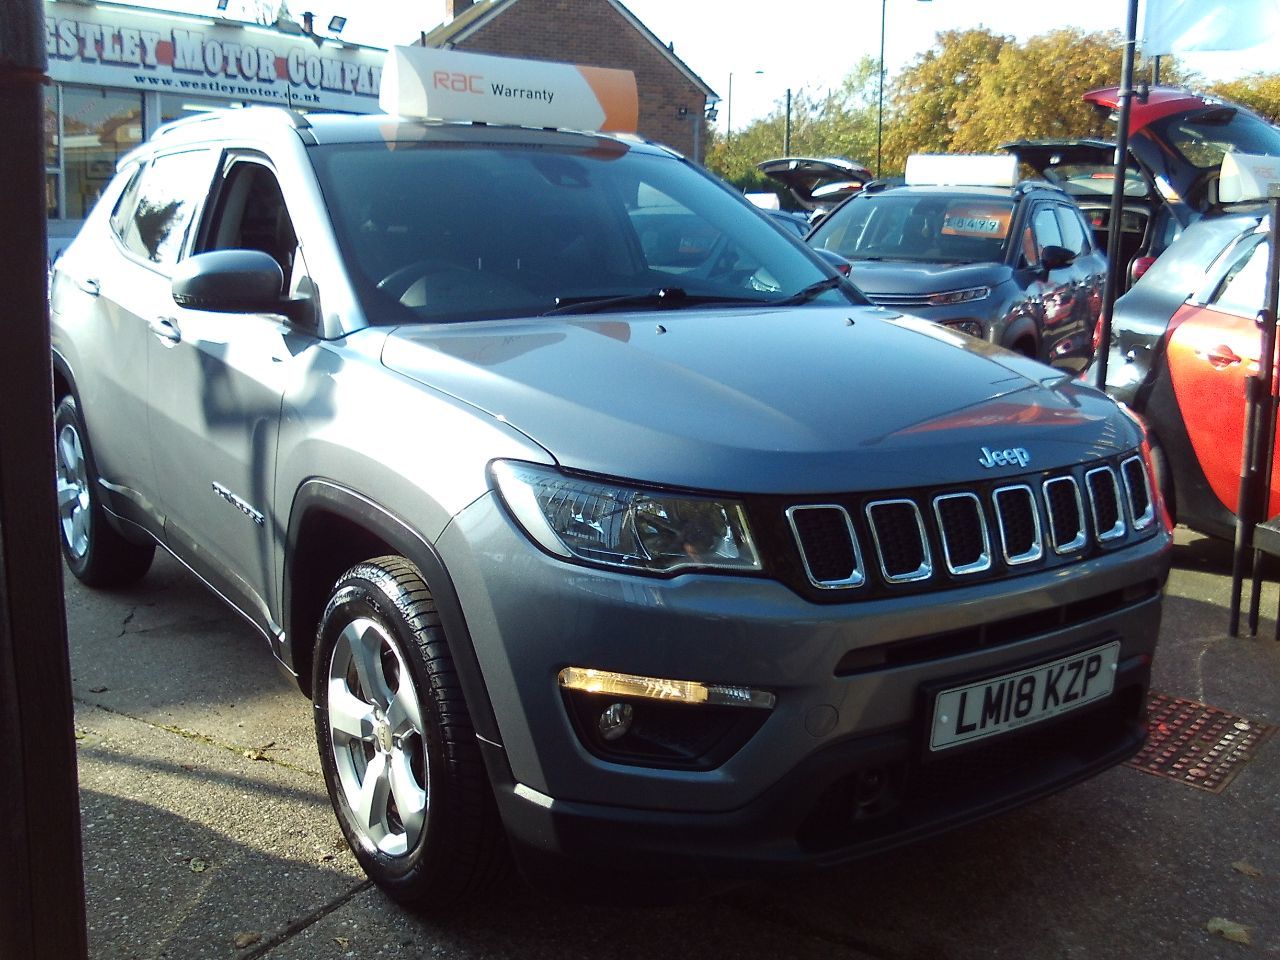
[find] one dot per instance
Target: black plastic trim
(351, 505)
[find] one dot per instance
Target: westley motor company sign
(117, 46)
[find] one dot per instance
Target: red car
(1176, 143)
(1184, 340)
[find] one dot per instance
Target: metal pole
(1111, 289)
(786, 133)
(880, 96)
(1259, 437)
(728, 110)
(42, 909)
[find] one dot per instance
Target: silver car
(604, 524)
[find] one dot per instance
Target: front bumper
(799, 790)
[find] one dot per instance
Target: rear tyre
(397, 747)
(97, 554)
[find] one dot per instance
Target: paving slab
(189, 845)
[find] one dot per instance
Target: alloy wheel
(376, 735)
(73, 492)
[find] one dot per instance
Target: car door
(128, 280)
(1064, 341)
(215, 386)
(1213, 347)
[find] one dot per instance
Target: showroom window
(87, 129)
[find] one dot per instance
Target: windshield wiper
(809, 292)
(665, 298)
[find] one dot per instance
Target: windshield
(442, 232)
(1204, 137)
(918, 226)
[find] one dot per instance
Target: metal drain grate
(1200, 746)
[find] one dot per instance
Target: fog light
(615, 721)
(588, 680)
(973, 328)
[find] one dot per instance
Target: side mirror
(1053, 257)
(834, 259)
(235, 281)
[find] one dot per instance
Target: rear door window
(1243, 288)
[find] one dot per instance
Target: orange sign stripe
(616, 91)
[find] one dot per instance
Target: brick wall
(594, 33)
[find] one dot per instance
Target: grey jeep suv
(603, 523)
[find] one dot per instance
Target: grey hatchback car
(1011, 263)
(585, 549)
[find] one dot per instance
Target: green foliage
(1033, 90)
(972, 91)
(839, 124)
(1259, 92)
(927, 96)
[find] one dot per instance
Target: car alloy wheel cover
(376, 737)
(73, 492)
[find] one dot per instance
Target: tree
(924, 99)
(1259, 92)
(839, 124)
(1033, 90)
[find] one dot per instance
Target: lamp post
(880, 93)
(786, 130)
(728, 105)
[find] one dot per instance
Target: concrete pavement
(208, 833)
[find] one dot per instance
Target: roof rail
(292, 118)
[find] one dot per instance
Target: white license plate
(988, 707)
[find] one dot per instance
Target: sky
(752, 42)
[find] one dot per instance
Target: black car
(1011, 263)
(817, 185)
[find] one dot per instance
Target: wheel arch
(63, 381)
(332, 528)
(1022, 329)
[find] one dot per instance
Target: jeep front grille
(946, 537)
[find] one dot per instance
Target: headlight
(618, 526)
(958, 296)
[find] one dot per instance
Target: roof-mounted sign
(962, 170)
(451, 85)
(1247, 176)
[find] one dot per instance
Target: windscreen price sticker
(990, 707)
(975, 222)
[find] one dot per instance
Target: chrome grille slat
(821, 531)
(1137, 488)
(1015, 507)
(893, 524)
(899, 299)
(1066, 514)
(960, 519)
(1104, 504)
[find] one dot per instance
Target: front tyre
(97, 554)
(397, 747)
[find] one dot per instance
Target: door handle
(1222, 356)
(166, 328)
(89, 286)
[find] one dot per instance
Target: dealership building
(119, 71)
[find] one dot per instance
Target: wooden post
(42, 890)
